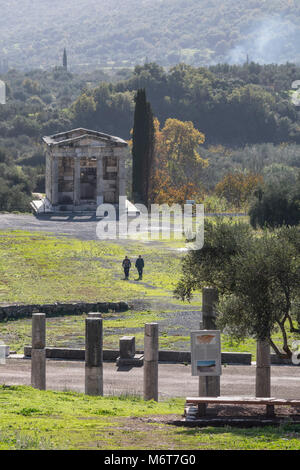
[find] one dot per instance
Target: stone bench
(269, 403)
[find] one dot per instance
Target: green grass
(32, 419)
(68, 331)
(40, 268)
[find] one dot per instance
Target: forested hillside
(250, 123)
(97, 33)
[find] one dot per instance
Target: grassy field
(40, 268)
(31, 419)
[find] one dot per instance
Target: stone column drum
(93, 356)
(38, 352)
(210, 299)
(76, 198)
(94, 315)
(151, 362)
(209, 386)
(263, 369)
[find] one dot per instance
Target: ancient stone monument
(84, 169)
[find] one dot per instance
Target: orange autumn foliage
(177, 162)
(238, 187)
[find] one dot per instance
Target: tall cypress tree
(142, 148)
(149, 160)
(65, 60)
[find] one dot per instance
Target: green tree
(276, 205)
(65, 59)
(84, 110)
(143, 138)
(258, 279)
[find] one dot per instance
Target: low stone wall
(110, 355)
(15, 311)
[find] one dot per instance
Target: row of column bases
(94, 356)
(208, 386)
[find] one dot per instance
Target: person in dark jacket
(139, 264)
(126, 266)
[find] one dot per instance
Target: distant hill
(97, 33)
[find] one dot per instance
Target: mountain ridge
(126, 32)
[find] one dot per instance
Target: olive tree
(257, 275)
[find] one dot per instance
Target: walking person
(126, 266)
(139, 264)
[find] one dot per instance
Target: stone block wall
(15, 311)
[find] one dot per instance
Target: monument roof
(68, 137)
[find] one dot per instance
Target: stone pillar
(263, 369)
(76, 197)
(54, 181)
(93, 356)
(209, 386)
(38, 352)
(151, 362)
(99, 180)
(210, 299)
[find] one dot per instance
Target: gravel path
(78, 226)
(175, 323)
(175, 380)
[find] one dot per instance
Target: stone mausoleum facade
(84, 169)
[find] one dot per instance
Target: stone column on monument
(99, 180)
(76, 199)
(54, 181)
(122, 176)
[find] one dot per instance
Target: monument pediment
(83, 136)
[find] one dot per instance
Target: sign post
(206, 361)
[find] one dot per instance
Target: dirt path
(81, 226)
